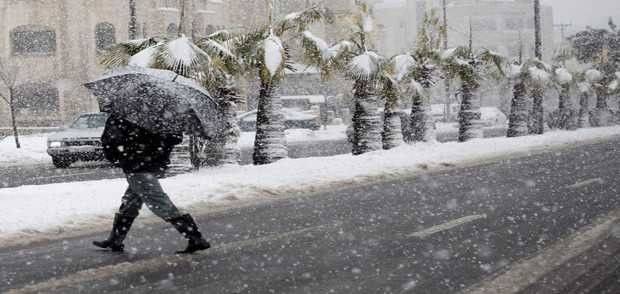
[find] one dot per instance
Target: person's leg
(129, 210)
(148, 188)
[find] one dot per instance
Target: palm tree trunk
(232, 152)
(422, 124)
(566, 112)
(584, 110)
(469, 115)
(537, 117)
(519, 115)
(602, 114)
(270, 142)
(392, 125)
(366, 121)
(13, 119)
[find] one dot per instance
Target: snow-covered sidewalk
(32, 209)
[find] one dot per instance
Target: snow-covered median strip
(49, 207)
(33, 150)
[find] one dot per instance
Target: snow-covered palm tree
(391, 89)
(470, 68)
(527, 78)
(566, 114)
(540, 78)
(264, 52)
(601, 115)
(423, 78)
(356, 59)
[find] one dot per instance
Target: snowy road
(440, 232)
(41, 174)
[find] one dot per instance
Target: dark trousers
(145, 188)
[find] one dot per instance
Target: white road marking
(446, 226)
(526, 272)
(586, 183)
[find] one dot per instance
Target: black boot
(186, 225)
(120, 228)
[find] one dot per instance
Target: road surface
(41, 174)
(439, 232)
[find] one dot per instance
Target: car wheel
(60, 162)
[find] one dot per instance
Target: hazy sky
(585, 12)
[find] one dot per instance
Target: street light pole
(133, 20)
(537, 30)
(448, 101)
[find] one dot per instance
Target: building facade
(53, 47)
(505, 26)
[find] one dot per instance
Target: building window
(105, 36)
(169, 3)
(33, 40)
(210, 30)
(172, 30)
(36, 98)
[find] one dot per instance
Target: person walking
(144, 157)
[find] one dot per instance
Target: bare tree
(8, 77)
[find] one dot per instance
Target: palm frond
(300, 21)
(220, 35)
(120, 54)
(183, 57)
(365, 67)
(403, 65)
(317, 52)
(494, 58)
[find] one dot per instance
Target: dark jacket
(136, 150)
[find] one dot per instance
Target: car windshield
(89, 121)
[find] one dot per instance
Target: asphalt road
(433, 233)
(41, 174)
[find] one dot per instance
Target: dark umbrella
(159, 101)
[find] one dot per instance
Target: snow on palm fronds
(365, 66)
(145, 58)
(539, 75)
(563, 76)
(183, 57)
(273, 54)
(120, 54)
(322, 48)
(299, 21)
(593, 76)
(403, 65)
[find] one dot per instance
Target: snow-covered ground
(33, 150)
(337, 132)
(32, 209)
(34, 147)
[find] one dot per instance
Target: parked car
(293, 119)
(80, 141)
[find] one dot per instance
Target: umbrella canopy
(159, 101)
